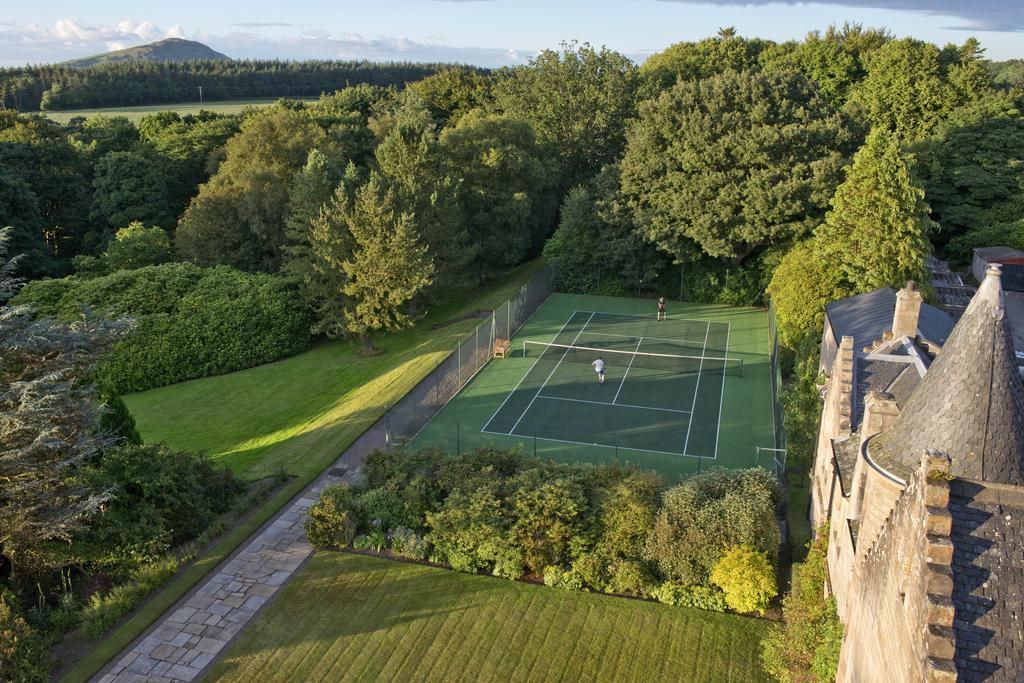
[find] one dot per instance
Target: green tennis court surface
(679, 395)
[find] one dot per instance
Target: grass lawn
(678, 420)
(135, 114)
(300, 413)
(304, 411)
(352, 617)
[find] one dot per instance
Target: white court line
(696, 386)
(630, 336)
(550, 374)
(604, 312)
(472, 377)
(595, 445)
(631, 359)
(721, 398)
(616, 405)
(530, 370)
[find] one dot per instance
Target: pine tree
(409, 160)
(311, 190)
(876, 231)
(388, 267)
(323, 273)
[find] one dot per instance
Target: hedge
(191, 322)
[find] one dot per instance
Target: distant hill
(167, 50)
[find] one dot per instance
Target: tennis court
(679, 395)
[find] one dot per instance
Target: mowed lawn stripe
(457, 635)
(490, 635)
(353, 617)
(298, 414)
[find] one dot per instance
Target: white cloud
(983, 15)
(69, 38)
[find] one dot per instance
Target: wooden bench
(502, 348)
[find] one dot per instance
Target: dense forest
(138, 82)
(727, 170)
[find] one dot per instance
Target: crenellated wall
(836, 419)
(899, 609)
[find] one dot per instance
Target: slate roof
(988, 583)
(970, 403)
(866, 317)
(846, 452)
(895, 368)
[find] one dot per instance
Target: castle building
(919, 475)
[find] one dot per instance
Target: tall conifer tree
(876, 231)
(389, 264)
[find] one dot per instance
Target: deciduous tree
(731, 163)
(130, 186)
(578, 100)
(911, 86)
(506, 186)
(251, 187)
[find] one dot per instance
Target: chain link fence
(404, 420)
(778, 451)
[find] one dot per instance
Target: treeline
(130, 83)
(725, 167)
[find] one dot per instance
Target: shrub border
(230, 544)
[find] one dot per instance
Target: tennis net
(675, 363)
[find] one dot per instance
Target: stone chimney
(880, 413)
(908, 309)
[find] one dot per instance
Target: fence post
(458, 351)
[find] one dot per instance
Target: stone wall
(899, 607)
(836, 415)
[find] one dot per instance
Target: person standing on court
(599, 366)
(662, 311)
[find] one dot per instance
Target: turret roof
(970, 403)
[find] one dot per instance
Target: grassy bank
(135, 114)
(363, 618)
(305, 410)
(300, 413)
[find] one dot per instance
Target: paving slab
(201, 625)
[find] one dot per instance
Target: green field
(701, 399)
(135, 114)
(297, 415)
(351, 617)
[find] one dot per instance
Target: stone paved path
(190, 636)
(187, 638)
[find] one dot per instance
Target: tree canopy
(734, 162)
(578, 100)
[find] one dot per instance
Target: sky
(482, 32)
